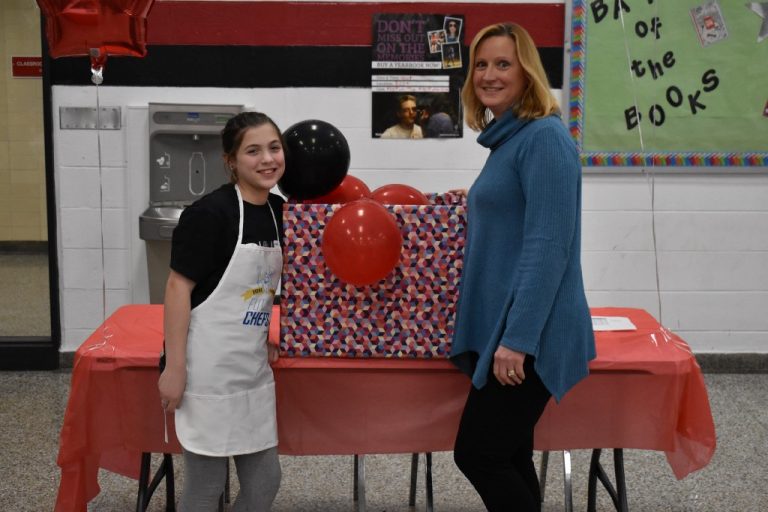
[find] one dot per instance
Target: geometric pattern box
(408, 314)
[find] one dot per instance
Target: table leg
(596, 472)
(170, 487)
(428, 481)
(147, 489)
(359, 494)
(543, 473)
(354, 478)
(414, 479)
(621, 483)
(141, 498)
(567, 487)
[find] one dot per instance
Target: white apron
(228, 407)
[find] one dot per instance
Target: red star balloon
(97, 28)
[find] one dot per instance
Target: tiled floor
(32, 406)
(24, 295)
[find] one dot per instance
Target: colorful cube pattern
(408, 314)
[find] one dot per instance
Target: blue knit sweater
(521, 283)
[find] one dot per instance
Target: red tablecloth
(644, 391)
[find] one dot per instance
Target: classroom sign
(681, 83)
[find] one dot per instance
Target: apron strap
(240, 220)
(274, 221)
(240, 225)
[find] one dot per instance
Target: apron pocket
(219, 425)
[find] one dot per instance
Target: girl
(225, 266)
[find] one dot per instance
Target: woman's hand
(459, 192)
(172, 383)
(508, 366)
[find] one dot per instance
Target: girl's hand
(171, 385)
(273, 353)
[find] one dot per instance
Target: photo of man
(406, 127)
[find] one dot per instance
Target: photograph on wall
(417, 76)
(669, 84)
(452, 27)
(436, 40)
(451, 55)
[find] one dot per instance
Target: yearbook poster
(417, 75)
(670, 83)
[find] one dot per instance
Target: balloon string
(105, 329)
(649, 176)
(106, 332)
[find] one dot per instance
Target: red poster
(26, 67)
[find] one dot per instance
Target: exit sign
(27, 67)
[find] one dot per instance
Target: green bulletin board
(670, 83)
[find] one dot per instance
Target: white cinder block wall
(710, 227)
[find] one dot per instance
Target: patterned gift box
(408, 314)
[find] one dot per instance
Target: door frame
(42, 352)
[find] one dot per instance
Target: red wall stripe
(327, 24)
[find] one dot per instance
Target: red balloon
(362, 242)
(96, 28)
(350, 189)
(398, 194)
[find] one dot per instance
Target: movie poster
(418, 72)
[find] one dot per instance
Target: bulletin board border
(579, 34)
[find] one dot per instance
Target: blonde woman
(523, 329)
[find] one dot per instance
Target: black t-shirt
(205, 237)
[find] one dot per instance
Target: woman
(452, 29)
(523, 329)
(225, 265)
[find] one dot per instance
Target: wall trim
(329, 23)
(23, 247)
(250, 67)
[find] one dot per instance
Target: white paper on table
(612, 323)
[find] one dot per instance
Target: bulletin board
(680, 83)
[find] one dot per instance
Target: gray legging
(204, 478)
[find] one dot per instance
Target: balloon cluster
(362, 242)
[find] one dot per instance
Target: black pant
(494, 445)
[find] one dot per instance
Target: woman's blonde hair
(537, 99)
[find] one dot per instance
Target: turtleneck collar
(500, 130)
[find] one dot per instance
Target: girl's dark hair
(233, 131)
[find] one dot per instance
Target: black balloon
(316, 159)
